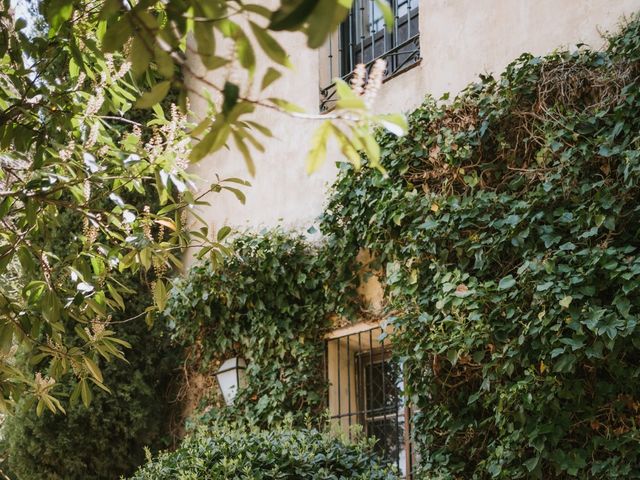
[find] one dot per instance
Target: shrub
(225, 452)
(107, 439)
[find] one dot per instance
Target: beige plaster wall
(459, 40)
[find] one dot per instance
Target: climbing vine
(506, 230)
(271, 302)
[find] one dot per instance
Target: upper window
(365, 389)
(363, 37)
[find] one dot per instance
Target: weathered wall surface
(459, 40)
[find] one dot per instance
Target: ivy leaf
(566, 301)
(532, 463)
(507, 282)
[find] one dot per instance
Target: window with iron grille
(363, 37)
(365, 389)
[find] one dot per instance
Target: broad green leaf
(236, 180)
(387, 13)
(318, 152)
(212, 141)
(154, 96)
(206, 45)
(270, 45)
(85, 393)
(222, 233)
(347, 147)
(5, 206)
(201, 127)
(246, 55)
(286, 105)
(269, 77)
(117, 34)
(230, 92)
(116, 296)
(261, 128)
(371, 148)
(164, 62)
(343, 89)
(394, 123)
(140, 56)
(246, 154)
(160, 295)
(291, 15)
(327, 15)
(58, 12)
(239, 194)
(93, 368)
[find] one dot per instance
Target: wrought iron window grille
(366, 389)
(363, 38)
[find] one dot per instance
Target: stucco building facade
(458, 40)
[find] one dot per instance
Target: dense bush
(222, 453)
(509, 230)
(107, 439)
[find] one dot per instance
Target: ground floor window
(366, 389)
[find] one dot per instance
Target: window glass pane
(405, 5)
(376, 20)
(389, 435)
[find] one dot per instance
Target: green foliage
(269, 303)
(243, 453)
(107, 439)
(67, 145)
(69, 140)
(508, 228)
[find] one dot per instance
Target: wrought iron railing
(366, 389)
(363, 38)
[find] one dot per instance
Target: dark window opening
(363, 38)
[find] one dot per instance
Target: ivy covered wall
(271, 303)
(507, 228)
